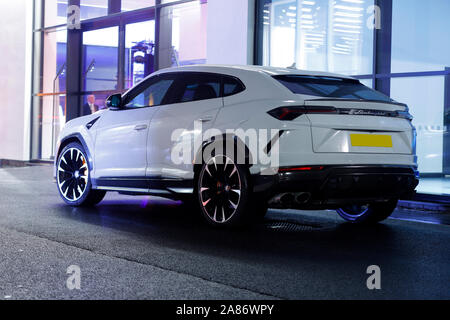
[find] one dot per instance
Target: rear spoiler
(354, 100)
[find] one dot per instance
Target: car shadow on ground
(171, 224)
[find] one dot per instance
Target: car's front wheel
(368, 214)
(73, 177)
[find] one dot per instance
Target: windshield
(330, 87)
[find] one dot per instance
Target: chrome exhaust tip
(303, 197)
(283, 199)
(287, 199)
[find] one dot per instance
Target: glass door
(113, 51)
(107, 53)
(139, 51)
(51, 100)
(100, 68)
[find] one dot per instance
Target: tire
(369, 214)
(224, 193)
(259, 206)
(73, 178)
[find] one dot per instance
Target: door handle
(206, 119)
(140, 127)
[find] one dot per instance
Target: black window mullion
(74, 61)
(121, 58)
(383, 48)
(157, 33)
(114, 6)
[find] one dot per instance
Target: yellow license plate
(371, 140)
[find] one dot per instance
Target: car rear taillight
(294, 169)
(293, 112)
(405, 114)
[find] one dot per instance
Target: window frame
(135, 91)
(238, 81)
(316, 91)
(182, 74)
(179, 81)
(144, 85)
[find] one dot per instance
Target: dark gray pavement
(150, 248)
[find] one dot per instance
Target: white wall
(15, 79)
(230, 31)
(230, 34)
(425, 98)
(192, 23)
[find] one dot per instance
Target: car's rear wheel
(223, 192)
(259, 206)
(73, 177)
(368, 214)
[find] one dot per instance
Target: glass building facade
(399, 47)
(118, 44)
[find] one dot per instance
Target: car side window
(152, 95)
(195, 87)
(232, 86)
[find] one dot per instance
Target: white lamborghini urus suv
(234, 140)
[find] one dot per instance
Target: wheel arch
(76, 137)
(241, 147)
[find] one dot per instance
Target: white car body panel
(118, 150)
(332, 135)
(121, 143)
(162, 127)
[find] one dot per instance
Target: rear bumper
(334, 186)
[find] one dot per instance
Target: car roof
(235, 69)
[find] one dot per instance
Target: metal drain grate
(288, 226)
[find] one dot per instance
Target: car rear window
(232, 86)
(329, 87)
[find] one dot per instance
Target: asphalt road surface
(150, 248)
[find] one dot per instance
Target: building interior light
(346, 14)
(347, 26)
(355, 9)
(347, 20)
(347, 31)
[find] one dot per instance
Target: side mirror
(114, 102)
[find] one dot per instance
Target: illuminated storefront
(119, 43)
(399, 47)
